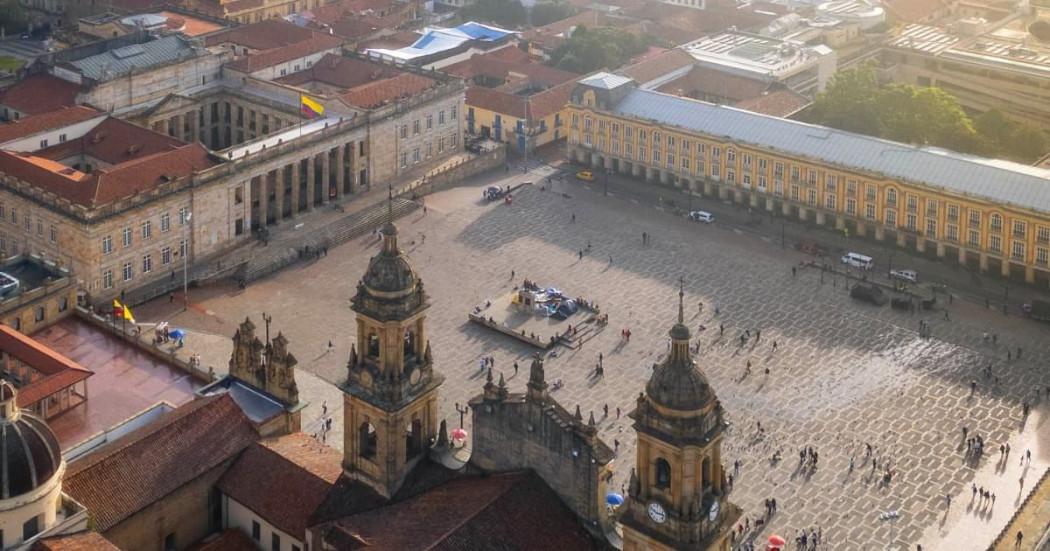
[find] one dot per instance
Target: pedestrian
(948, 501)
(1028, 456)
(512, 273)
(610, 260)
(617, 413)
(721, 330)
(515, 368)
(616, 445)
(574, 218)
(324, 408)
(945, 315)
(758, 335)
(581, 254)
(774, 346)
(606, 408)
(1019, 352)
(1020, 536)
(700, 307)
(973, 387)
(171, 298)
(794, 271)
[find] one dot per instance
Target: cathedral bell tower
(676, 498)
(390, 397)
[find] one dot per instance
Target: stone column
(206, 138)
(940, 250)
(340, 170)
(1004, 267)
(769, 204)
(754, 199)
(983, 262)
(820, 218)
(326, 171)
(920, 244)
(880, 233)
(351, 161)
(297, 178)
(311, 181)
(264, 200)
(962, 256)
(278, 188)
(1029, 274)
(785, 208)
(840, 222)
(179, 132)
(802, 213)
(862, 229)
(901, 239)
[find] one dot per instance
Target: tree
(507, 13)
(848, 102)
(545, 13)
(13, 18)
(592, 49)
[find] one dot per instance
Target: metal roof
(605, 81)
(113, 63)
(996, 180)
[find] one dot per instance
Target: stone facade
(533, 431)
(269, 367)
(33, 309)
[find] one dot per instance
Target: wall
(184, 513)
(72, 132)
(155, 83)
(42, 502)
(455, 174)
(293, 65)
(238, 516)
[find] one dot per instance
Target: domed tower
(31, 468)
(390, 397)
(676, 498)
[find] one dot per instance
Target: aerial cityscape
(726, 275)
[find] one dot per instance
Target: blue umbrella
(177, 334)
(614, 499)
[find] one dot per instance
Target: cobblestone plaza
(843, 375)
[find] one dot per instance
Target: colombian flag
(120, 310)
(310, 108)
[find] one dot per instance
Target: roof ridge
(483, 506)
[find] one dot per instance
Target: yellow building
(989, 214)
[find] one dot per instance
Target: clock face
(657, 513)
(713, 513)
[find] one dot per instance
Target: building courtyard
(844, 375)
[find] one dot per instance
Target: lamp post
(185, 263)
(461, 411)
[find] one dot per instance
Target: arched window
(705, 473)
(996, 222)
(373, 345)
(891, 196)
(413, 439)
(410, 344)
(367, 440)
(663, 473)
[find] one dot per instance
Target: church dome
(389, 271)
(29, 452)
(679, 386)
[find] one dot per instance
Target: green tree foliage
(506, 13)
(855, 101)
(592, 49)
(545, 13)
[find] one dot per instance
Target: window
(61, 138)
(747, 180)
(811, 177)
(656, 139)
(747, 161)
(656, 157)
(910, 221)
(891, 197)
(794, 173)
(275, 542)
(995, 243)
(3, 213)
(953, 212)
(701, 148)
(39, 314)
(952, 232)
(183, 248)
(870, 192)
(14, 215)
(1042, 235)
(730, 176)
(415, 127)
(1018, 251)
(430, 122)
(441, 117)
(415, 155)
(851, 206)
(147, 264)
(147, 229)
(126, 237)
(913, 203)
(63, 304)
(107, 279)
(931, 228)
(404, 130)
(851, 187)
(762, 164)
(128, 271)
(295, 548)
(716, 152)
(1019, 228)
(701, 167)
(39, 227)
(169, 542)
(165, 223)
(54, 233)
(256, 530)
(794, 193)
(931, 207)
(811, 197)
(975, 219)
(165, 255)
(31, 528)
(663, 473)
(1042, 255)
(184, 214)
(996, 223)
(831, 182)
(404, 159)
(869, 211)
(891, 218)
(670, 142)
(975, 238)
(829, 201)
(670, 160)
(43, 144)
(27, 222)
(778, 170)
(730, 155)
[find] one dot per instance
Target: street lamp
(185, 262)
(891, 517)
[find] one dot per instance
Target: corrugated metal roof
(1000, 181)
(121, 61)
(607, 81)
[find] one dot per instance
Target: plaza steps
(266, 260)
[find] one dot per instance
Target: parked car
(493, 192)
(910, 276)
(858, 260)
(702, 216)
(585, 175)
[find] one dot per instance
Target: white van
(702, 216)
(858, 261)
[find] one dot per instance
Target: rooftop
(256, 404)
(436, 41)
(753, 53)
(319, 42)
(284, 480)
(84, 541)
(56, 371)
(265, 35)
(31, 272)
(1017, 185)
(132, 57)
(50, 120)
(360, 82)
(125, 381)
(1007, 46)
(143, 467)
(39, 93)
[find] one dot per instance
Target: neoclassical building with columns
(215, 159)
(988, 214)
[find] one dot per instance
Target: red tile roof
(394, 41)
(39, 94)
(271, 57)
(141, 160)
(496, 101)
(341, 72)
(35, 124)
(84, 541)
(375, 94)
(659, 65)
(265, 35)
(143, 467)
(58, 372)
(284, 480)
(703, 82)
(515, 509)
(231, 539)
(779, 103)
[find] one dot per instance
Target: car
(910, 276)
(25, 36)
(585, 175)
(702, 216)
(493, 193)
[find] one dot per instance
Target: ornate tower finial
(681, 299)
(537, 385)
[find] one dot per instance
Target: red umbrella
(459, 434)
(777, 541)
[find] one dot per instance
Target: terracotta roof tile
(230, 539)
(264, 35)
(141, 160)
(551, 100)
(63, 116)
(496, 101)
(341, 72)
(146, 465)
(658, 65)
(378, 93)
(469, 513)
(779, 103)
(84, 541)
(394, 41)
(39, 94)
(284, 480)
(704, 81)
(281, 54)
(57, 371)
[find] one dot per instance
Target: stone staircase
(265, 260)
